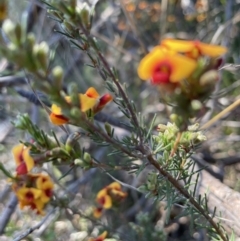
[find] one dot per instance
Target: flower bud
(85, 15)
(9, 29)
(209, 78)
(57, 76)
(161, 128)
(108, 128)
(71, 141)
(57, 151)
(196, 105)
(41, 53)
(87, 157)
(193, 127)
(30, 41)
(76, 113)
(79, 162)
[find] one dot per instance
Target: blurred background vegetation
(125, 30)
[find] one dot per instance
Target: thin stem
(124, 96)
(221, 114)
(109, 139)
(107, 67)
(186, 194)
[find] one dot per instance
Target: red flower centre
(161, 73)
(22, 169)
(61, 117)
(29, 196)
(99, 209)
(20, 157)
(102, 200)
(48, 192)
(44, 179)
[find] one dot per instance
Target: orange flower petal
(41, 179)
(58, 119)
(91, 92)
(47, 192)
(28, 194)
(56, 109)
(23, 203)
(184, 46)
(87, 103)
(17, 153)
(104, 100)
(28, 159)
(100, 237)
(97, 212)
(178, 45)
(147, 64)
(118, 193)
(56, 116)
(104, 199)
(114, 185)
(182, 68)
(212, 50)
(38, 205)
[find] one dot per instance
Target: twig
(186, 194)
(109, 139)
(37, 226)
(124, 96)
(221, 114)
(7, 212)
(123, 183)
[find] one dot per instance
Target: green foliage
(165, 156)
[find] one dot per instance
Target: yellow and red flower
(107, 196)
(163, 66)
(101, 237)
(34, 191)
(90, 100)
(103, 199)
(97, 212)
(45, 184)
(28, 194)
(23, 160)
(194, 49)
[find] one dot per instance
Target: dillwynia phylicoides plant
(185, 74)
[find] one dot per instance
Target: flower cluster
(107, 197)
(176, 61)
(186, 73)
(91, 100)
(32, 190)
